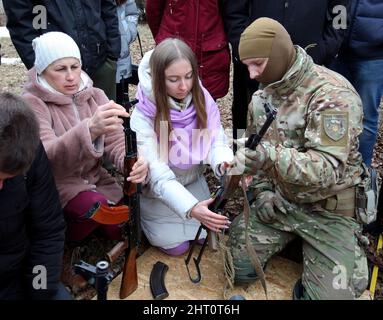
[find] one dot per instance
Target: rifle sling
(252, 254)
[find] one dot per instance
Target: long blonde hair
(164, 54)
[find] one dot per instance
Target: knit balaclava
(267, 38)
(52, 46)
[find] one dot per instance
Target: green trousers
(105, 78)
(334, 266)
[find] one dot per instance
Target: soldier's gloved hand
(248, 161)
(264, 206)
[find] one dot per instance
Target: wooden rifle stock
(128, 213)
(129, 282)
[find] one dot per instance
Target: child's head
(174, 72)
(19, 136)
(174, 68)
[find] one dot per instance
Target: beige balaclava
(267, 38)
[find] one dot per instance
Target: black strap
(139, 42)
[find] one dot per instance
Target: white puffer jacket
(171, 192)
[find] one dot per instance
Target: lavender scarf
(188, 145)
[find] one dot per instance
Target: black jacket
(32, 232)
(93, 24)
(308, 22)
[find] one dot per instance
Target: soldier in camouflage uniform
(305, 169)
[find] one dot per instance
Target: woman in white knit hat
(78, 125)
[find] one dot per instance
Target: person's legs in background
(368, 81)
(105, 78)
(367, 78)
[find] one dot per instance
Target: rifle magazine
(157, 281)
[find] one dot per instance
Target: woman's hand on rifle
(106, 119)
(213, 221)
(223, 167)
(139, 171)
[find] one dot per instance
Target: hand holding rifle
(133, 166)
(135, 171)
(139, 171)
(208, 218)
(106, 119)
(230, 183)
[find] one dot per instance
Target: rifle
(128, 213)
(224, 192)
(132, 229)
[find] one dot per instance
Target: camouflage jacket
(312, 146)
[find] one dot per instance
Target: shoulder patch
(334, 128)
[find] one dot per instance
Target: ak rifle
(224, 192)
(131, 198)
(127, 213)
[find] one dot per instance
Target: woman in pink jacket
(78, 126)
(199, 23)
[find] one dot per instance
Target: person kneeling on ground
(305, 170)
(178, 126)
(78, 126)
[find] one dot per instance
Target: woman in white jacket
(179, 131)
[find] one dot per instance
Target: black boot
(298, 290)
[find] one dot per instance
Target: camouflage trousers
(334, 266)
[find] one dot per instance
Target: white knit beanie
(52, 46)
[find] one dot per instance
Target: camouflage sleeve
(334, 120)
(261, 182)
